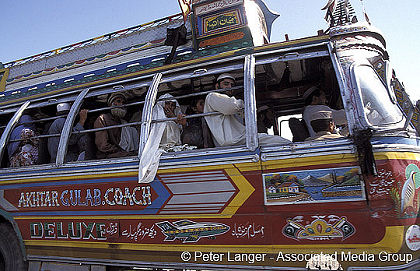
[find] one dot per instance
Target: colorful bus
(349, 203)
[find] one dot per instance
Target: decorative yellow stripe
(309, 161)
(72, 177)
(245, 191)
(397, 155)
(4, 74)
(243, 167)
(391, 243)
(133, 217)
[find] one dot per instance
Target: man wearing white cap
(78, 143)
(323, 125)
(315, 101)
(228, 128)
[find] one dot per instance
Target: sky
(31, 27)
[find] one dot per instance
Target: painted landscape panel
(313, 185)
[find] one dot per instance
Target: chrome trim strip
(68, 127)
(114, 262)
(411, 266)
(250, 103)
(345, 92)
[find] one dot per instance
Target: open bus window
(203, 103)
(4, 120)
(378, 107)
(27, 141)
(112, 126)
(281, 88)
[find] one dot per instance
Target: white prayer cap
(225, 76)
(63, 107)
(322, 115)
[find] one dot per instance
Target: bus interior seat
(299, 130)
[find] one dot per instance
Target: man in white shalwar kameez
(228, 128)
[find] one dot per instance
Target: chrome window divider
(345, 93)
(250, 103)
(68, 127)
(12, 123)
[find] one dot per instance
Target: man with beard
(115, 142)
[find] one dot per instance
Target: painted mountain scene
(313, 185)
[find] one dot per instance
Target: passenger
(162, 137)
(170, 109)
(266, 119)
(25, 151)
(228, 128)
(115, 142)
(323, 125)
(315, 101)
(197, 133)
(78, 143)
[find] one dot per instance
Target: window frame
(360, 108)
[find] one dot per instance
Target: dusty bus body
(350, 202)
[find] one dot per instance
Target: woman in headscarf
(23, 152)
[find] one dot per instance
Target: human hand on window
(83, 116)
(181, 120)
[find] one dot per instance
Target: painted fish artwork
(313, 185)
(190, 231)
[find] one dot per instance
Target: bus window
(202, 97)
(288, 93)
(5, 117)
(379, 109)
(27, 143)
(112, 124)
(198, 115)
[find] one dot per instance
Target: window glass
(378, 107)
